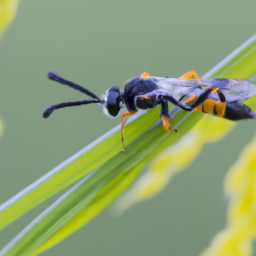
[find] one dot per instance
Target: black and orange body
(219, 97)
(233, 110)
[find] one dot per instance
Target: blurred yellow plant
(8, 10)
(1, 128)
(240, 186)
(173, 160)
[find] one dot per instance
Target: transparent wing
(178, 87)
(233, 89)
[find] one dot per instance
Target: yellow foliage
(240, 186)
(1, 128)
(7, 13)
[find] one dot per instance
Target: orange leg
(166, 123)
(191, 75)
(191, 99)
(125, 116)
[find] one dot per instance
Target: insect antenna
(62, 80)
(49, 110)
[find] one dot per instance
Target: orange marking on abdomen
(220, 108)
(208, 106)
(190, 99)
(199, 107)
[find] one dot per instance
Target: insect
(221, 97)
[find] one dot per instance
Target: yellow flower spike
(244, 167)
(242, 212)
(8, 10)
(173, 160)
(1, 127)
(173, 157)
(240, 185)
(226, 243)
(232, 185)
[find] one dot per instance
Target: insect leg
(191, 75)
(197, 102)
(169, 97)
(191, 99)
(209, 104)
(200, 99)
(220, 94)
(164, 113)
(125, 116)
(220, 105)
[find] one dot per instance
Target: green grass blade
(137, 154)
(141, 148)
(80, 219)
(172, 161)
(104, 198)
(74, 168)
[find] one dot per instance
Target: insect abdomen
(236, 111)
(212, 107)
(231, 110)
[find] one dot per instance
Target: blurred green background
(98, 44)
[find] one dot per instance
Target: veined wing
(233, 89)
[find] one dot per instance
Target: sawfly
(222, 97)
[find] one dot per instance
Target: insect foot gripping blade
(166, 122)
(124, 116)
(122, 132)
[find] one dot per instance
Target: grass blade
(81, 194)
(74, 168)
(176, 158)
(143, 145)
